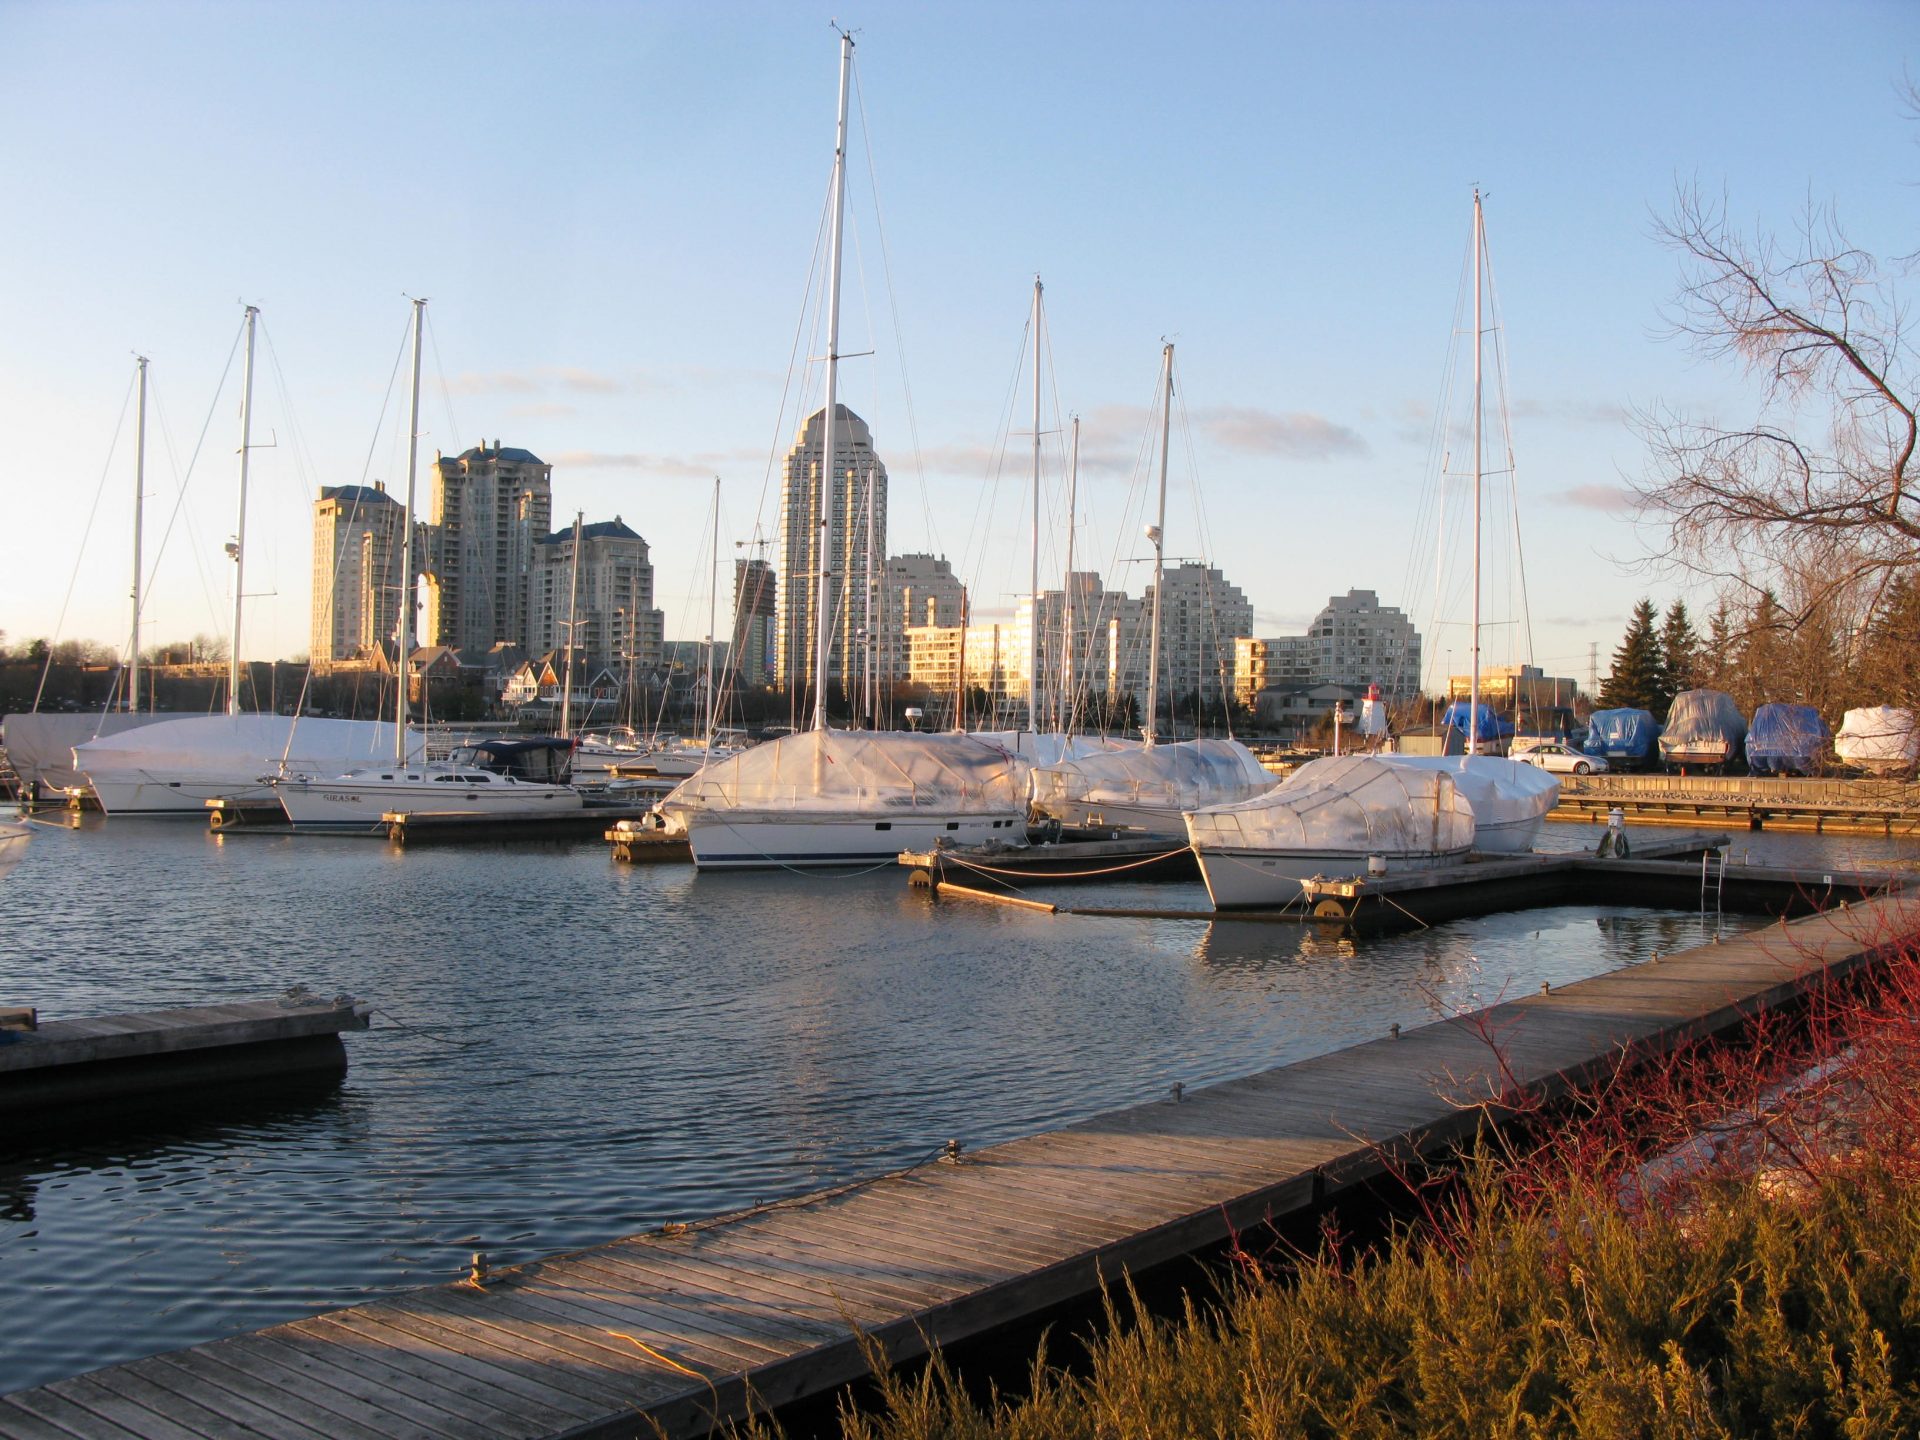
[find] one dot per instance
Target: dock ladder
(1713, 881)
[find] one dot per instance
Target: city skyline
(616, 271)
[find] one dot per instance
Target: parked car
(1552, 755)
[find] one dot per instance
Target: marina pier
(696, 1324)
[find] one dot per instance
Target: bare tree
(1830, 456)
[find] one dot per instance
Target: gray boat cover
(1703, 717)
(40, 745)
(1180, 775)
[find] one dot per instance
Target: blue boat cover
(1787, 737)
(1621, 732)
(1491, 726)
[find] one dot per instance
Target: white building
(755, 614)
(615, 611)
(487, 508)
(856, 533)
(358, 538)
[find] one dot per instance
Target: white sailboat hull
(180, 797)
(1249, 879)
(737, 840)
(349, 805)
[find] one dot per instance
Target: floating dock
(66, 1062)
(1415, 898)
(639, 843)
(1753, 802)
(677, 1330)
(422, 827)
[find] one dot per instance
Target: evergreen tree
(1888, 671)
(1679, 653)
(1635, 681)
(1761, 672)
(1714, 664)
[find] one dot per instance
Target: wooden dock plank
(421, 1366)
(47, 1415)
(441, 1411)
(114, 1412)
(500, 1340)
(523, 1390)
(244, 1391)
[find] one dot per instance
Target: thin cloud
(1609, 499)
(539, 380)
(1295, 434)
(540, 410)
(572, 377)
(678, 467)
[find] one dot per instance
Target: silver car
(1552, 755)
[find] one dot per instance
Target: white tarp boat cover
(1344, 805)
(40, 745)
(244, 747)
(823, 771)
(1050, 748)
(1180, 775)
(1878, 737)
(1503, 793)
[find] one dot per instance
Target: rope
(73, 579)
(430, 1033)
(1068, 874)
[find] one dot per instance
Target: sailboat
(172, 768)
(1510, 799)
(1147, 790)
(355, 799)
(845, 797)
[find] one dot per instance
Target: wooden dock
(1753, 802)
(697, 1323)
(65, 1062)
(1429, 897)
(638, 843)
(422, 827)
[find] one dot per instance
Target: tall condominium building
(855, 538)
(1090, 674)
(358, 535)
(488, 506)
(920, 590)
(1355, 641)
(1358, 641)
(1201, 614)
(755, 612)
(614, 612)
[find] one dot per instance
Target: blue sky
(613, 208)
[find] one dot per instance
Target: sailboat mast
(713, 610)
(1034, 666)
(139, 505)
(1158, 535)
(1064, 698)
(403, 633)
(240, 525)
(573, 611)
(869, 678)
(1473, 690)
(824, 573)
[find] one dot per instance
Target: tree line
(1835, 656)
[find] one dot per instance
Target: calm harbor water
(569, 1049)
